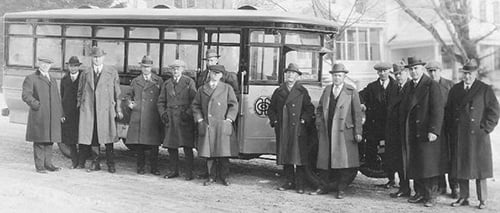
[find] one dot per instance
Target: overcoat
(44, 116)
(470, 117)
(69, 90)
(286, 110)
(374, 97)
(422, 111)
(102, 96)
(445, 87)
(227, 77)
(145, 126)
(340, 149)
(175, 100)
(216, 135)
(393, 138)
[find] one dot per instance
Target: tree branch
(486, 35)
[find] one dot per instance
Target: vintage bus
(255, 45)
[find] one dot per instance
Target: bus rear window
(79, 31)
(180, 34)
(50, 48)
(185, 52)
(20, 29)
(303, 38)
(225, 38)
(48, 30)
(261, 37)
(138, 50)
(78, 48)
(264, 64)
(115, 53)
(308, 63)
(20, 51)
(110, 32)
(142, 32)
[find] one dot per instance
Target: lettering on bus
(261, 106)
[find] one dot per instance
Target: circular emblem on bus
(262, 106)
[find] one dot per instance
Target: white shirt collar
(98, 68)
(73, 76)
(339, 86)
(384, 83)
(468, 85)
(147, 77)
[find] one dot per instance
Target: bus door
(261, 79)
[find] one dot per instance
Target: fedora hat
(211, 53)
(217, 68)
(96, 52)
(397, 68)
(471, 66)
(433, 65)
(178, 63)
(292, 67)
(339, 68)
(74, 61)
(45, 60)
(146, 61)
(414, 61)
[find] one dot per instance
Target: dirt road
(252, 190)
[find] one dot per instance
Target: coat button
(417, 121)
(457, 119)
(418, 136)
(472, 120)
(471, 107)
(218, 103)
(209, 115)
(472, 132)
(151, 91)
(293, 114)
(293, 124)
(293, 105)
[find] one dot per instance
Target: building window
(359, 44)
(496, 12)
(185, 3)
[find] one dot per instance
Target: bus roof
(188, 15)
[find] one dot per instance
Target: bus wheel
(64, 148)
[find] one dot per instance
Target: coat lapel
(294, 93)
(43, 78)
(419, 91)
(472, 92)
(343, 98)
(326, 101)
(181, 85)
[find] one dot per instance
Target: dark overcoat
(374, 97)
(145, 126)
(175, 100)
(69, 90)
(216, 135)
(393, 146)
(422, 112)
(286, 110)
(470, 117)
(340, 149)
(227, 77)
(105, 97)
(445, 87)
(44, 116)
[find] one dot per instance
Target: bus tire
(64, 148)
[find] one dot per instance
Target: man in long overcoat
(472, 113)
(212, 58)
(215, 108)
(41, 94)
(290, 111)
(393, 145)
(69, 126)
(434, 71)
(145, 128)
(174, 106)
(422, 112)
(99, 105)
(338, 120)
(374, 102)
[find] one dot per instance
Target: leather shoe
(111, 169)
(340, 195)
(286, 186)
(141, 171)
(454, 193)
(482, 205)
(189, 177)
(399, 194)
(209, 181)
(155, 172)
(53, 168)
(42, 171)
(172, 175)
(319, 191)
(460, 202)
(225, 182)
(94, 167)
(416, 199)
(430, 203)
(387, 185)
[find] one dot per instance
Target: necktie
(415, 83)
(467, 88)
(336, 91)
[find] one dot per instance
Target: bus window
(20, 51)
(51, 48)
(186, 52)
(225, 37)
(180, 34)
(115, 53)
(110, 32)
(264, 64)
(142, 32)
(137, 50)
(77, 47)
(48, 30)
(303, 38)
(230, 58)
(80, 31)
(260, 37)
(308, 63)
(24, 29)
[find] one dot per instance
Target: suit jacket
(422, 112)
(471, 117)
(69, 90)
(98, 101)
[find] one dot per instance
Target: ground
(253, 187)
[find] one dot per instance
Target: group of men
(429, 125)
(166, 113)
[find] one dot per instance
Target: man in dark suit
(422, 112)
(374, 101)
(472, 112)
(40, 93)
(212, 58)
(434, 71)
(69, 126)
(393, 159)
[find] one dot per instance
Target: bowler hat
(96, 52)
(433, 65)
(46, 60)
(469, 67)
(178, 63)
(146, 61)
(381, 66)
(414, 61)
(217, 68)
(292, 67)
(74, 61)
(211, 53)
(397, 68)
(339, 68)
